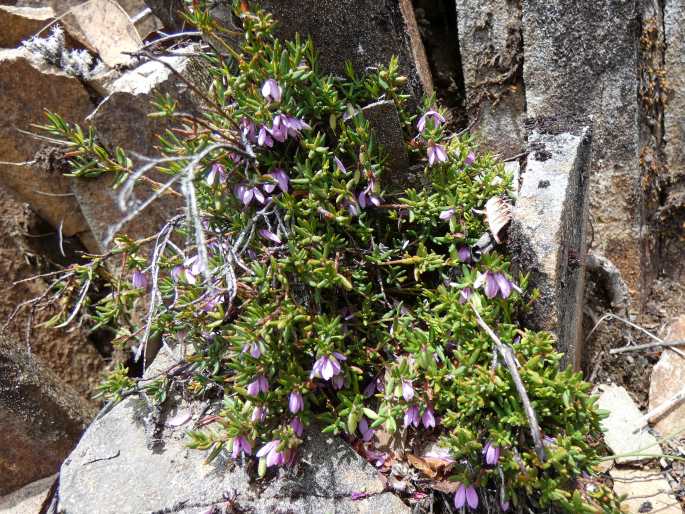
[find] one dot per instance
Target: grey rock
(624, 431)
(40, 419)
(492, 58)
(29, 499)
(112, 470)
(644, 487)
(674, 57)
(547, 235)
(581, 60)
(365, 32)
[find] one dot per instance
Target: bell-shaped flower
(264, 137)
(259, 385)
(466, 494)
(432, 115)
(279, 128)
(327, 366)
(241, 445)
(216, 175)
(270, 451)
(436, 153)
(504, 284)
(139, 280)
(448, 214)
(340, 165)
(281, 178)
(267, 234)
(428, 418)
(271, 90)
(464, 295)
(297, 426)
(258, 414)
(248, 130)
(491, 453)
(407, 390)
(470, 159)
(465, 255)
(338, 382)
(365, 431)
(295, 402)
(411, 416)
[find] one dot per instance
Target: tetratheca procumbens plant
(316, 291)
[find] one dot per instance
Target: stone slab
(646, 490)
(20, 23)
(29, 499)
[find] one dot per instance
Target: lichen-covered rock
(115, 470)
(492, 60)
(547, 236)
(40, 419)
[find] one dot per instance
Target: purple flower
(272, 91)
(366, 198)
(470, 159)
(327, 366)
(281, 177)
(370, 389)
(259, 385)
(491, 287)
(465, 254)
(139, 280)
(279, 128)
(504, 504)
(267, 234)
(264, 138)
(428, 418)
(241, 444)
(504, 285)
(466, 494)
(365, 431)
(447, 215)
(217, 175)
(407, 390)
(297, 426)
(491, 453)
(358, 496)
(294, 126)
(270, 451)
(340, 165)
(411, 416)
(352, 207)
(254, 350)
(248, 129)
(436, 153)
(247, 194)
(295, 402)
(464, 295)
(338, 382)
(432, 115)
(377, 457)
(258, 414)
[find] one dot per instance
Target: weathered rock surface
(674, 57)
(623, 430)
(646, 490)
(365, 32)
(112, 470)
(580, 60)
(20, 23)
(668, 378)
(27, 89)
(40, 419)
(492, 59)
(121, 120)
(547, 236)
(29, 499)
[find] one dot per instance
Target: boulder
(580, 60)
(20, 23)
(624, 429)
(40, 419)
(116, 470)
(668, 378)
(492, 59)
(27, 89)
(121, 120)
(547, 235)
(29, 499)
(365, 32)
(646, 490)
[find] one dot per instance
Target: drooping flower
(327, 366)
(365, 431)
(294, 126)
(139, 280)
(253, 349)
(338, 382)
(295, 402)
(432, 115)
(273, 456)
(436, 153)
(340, 165)
(217, 175)
(259, 385)
(281, 177)
(370, 389)
(504, 285)
(247, 128)
(366, 197)
(470, 159)
(271, 90)
(464, 295)
(428, 418)
(267, 234)
(447, 214)
(466, 494)
(258, 414)
(491, 453)
(465, 254)
(241, 445)
(246, 194)
(407, 390)
(297, 426)
(264, 137)
(504, 505)
(411, 416)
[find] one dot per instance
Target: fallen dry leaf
(423, 466)
(498, 213)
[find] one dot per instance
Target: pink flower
(259, 385)
(436, 153)
(411, 416)
(295, 402)
(273, 456)
(466, 494)
(432, 115)
(428, 418)
(272, 91)
(241, 444)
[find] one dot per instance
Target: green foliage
(336, 283)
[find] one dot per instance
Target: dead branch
(509, 359)
(646, 346)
